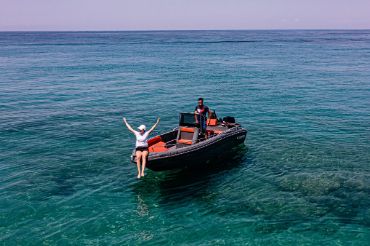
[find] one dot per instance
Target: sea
(301, 178)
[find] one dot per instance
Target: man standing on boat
(201, 111)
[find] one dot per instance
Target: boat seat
(154, 140)
(212, 122)
(158, 148)
(157, 145)
(187, 135)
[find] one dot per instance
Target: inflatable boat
(189, 145)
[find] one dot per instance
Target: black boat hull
(198, 154)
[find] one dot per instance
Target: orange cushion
(186, 129)
(184, 141)
(154, 140)
(212, 122)
(159, 144)
(158, 147)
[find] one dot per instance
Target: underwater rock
(311, 184)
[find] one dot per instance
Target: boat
(186, 146)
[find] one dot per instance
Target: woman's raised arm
(154, 126)
(128, 126)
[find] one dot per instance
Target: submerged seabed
(303, 178)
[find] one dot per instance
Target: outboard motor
(229, 119)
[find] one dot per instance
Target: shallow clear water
(303, 177)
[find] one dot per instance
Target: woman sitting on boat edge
(141, 146)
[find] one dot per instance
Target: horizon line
(176, 30)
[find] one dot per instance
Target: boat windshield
(189, 119)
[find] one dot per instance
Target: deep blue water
(303, 177)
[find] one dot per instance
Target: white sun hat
(142, 127)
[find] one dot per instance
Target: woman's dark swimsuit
(142, 149)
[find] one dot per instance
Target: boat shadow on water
(193, 182)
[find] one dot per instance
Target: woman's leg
(138, 159)
(144, 157)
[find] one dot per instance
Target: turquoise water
(302, 178)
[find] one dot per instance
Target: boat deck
(164, 143)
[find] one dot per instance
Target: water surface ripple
(303, 176)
